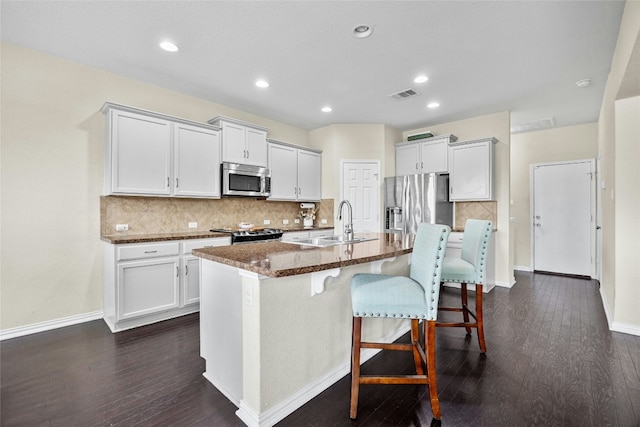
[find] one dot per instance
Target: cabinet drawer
(292, 236)
(147, 250)
(190, 245)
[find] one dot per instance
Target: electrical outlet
(193, 225)
(297, 221)
(285, 221)
(323, 221)
(122, 227)
(266, 222)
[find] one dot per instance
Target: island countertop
(278, 259)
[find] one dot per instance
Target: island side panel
(301, 342)
(221, 327)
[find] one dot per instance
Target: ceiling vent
(549, 122)
(405, 94)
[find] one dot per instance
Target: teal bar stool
(471, 267)
(415, 298)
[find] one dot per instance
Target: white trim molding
(50, 325)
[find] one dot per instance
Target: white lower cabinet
(292, 236)
(149, 282)
(146, 287)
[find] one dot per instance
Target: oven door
(245, 180)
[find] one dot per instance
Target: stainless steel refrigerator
(412, 199)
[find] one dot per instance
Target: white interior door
(361, 187)
(563, 217)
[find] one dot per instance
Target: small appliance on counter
(412, 199)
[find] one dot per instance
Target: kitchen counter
(118, 239)
(278, 259)
(275, 319)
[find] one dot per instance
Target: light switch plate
(266, 222)
(122, 227)
(193, 225)
(285, 221)
(323, 221)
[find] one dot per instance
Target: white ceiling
(481, 57)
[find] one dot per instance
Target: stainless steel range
(251, 236)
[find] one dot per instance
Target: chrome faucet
(348, 227)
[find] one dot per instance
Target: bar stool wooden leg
(430, 343)
(465, 308)
(415, 341)
(355, 366)
(483, 345)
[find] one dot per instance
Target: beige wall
(627, 212)
(498, 126)
(372, 142)
(611, 149)
(52, 172)
(545, 146)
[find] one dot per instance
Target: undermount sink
(321, 242)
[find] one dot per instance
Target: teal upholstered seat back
(426, 261)
(475, 246)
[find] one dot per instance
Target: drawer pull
(150, 252)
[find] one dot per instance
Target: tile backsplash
(475, 210)
(145, 215)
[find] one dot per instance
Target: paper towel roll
(307, 205)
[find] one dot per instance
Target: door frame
(343, 162)
(592, 207)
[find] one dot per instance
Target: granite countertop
(118, 239)
(278, 259)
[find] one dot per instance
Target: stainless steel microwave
(245, 180)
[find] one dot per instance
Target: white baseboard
(49, 325)
(625, 328)
(506, 284)
(278, 412)
(523, 268)
(605, 304)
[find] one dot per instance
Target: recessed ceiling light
(362, 31)
(433, 105)
(168, 46)
(262, 83)
(326, 109)
(421, 79)
(583, 82)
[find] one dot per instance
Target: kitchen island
(275, 319)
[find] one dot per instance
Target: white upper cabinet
(471, 170)
(197, 161)
(242, 142)
(309, 175)
(423, 156)
(407, 159)
(295, 172)
(153, 154)
(138, 154)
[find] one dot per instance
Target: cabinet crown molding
(473, 141)
(113, 106)
(449, 137)
(216, 121)
(287, 144)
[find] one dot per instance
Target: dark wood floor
(551, 361)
